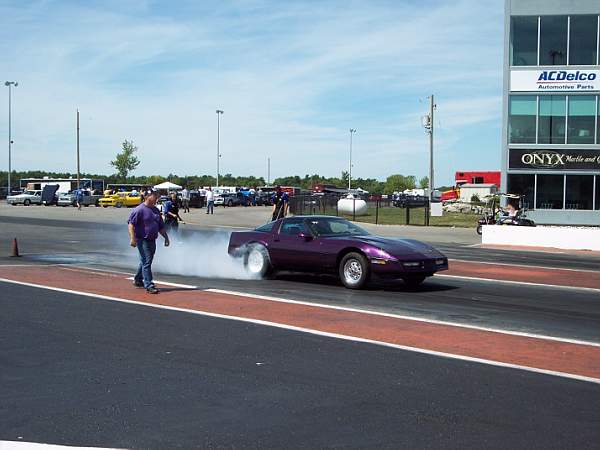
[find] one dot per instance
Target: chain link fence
(379, 210)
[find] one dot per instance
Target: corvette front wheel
(257, 261)
(354, 270)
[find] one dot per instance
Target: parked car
(325, 244)
(406, 200)
(230, 199)
(87, 199)
(120, 199)
(29, 197)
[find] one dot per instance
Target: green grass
(397, 216)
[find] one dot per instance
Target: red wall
(490, 177)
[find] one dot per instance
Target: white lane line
(316, 332)
(526, 283)
(167, 283)
(524, 266)
(22, 445)
(399, 316)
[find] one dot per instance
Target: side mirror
(305, 236)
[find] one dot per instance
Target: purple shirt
(146, 221)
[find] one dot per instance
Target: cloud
(292, 78)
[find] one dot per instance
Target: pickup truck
(87, 199)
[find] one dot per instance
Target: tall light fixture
(352, 131)
(219, 112)
(10, 84)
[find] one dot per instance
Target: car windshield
(324, 226)
(29, 192)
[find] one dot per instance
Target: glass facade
(579, 192)
(522, 184)
(583, 48)
(552, 119)
(582, 119)
(553, 123)
(521, 123)
(524, 42)
(550, 192)
(578, 32)
(549, 119)
(553, 40)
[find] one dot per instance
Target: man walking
(144, 225)
(210, 201)
(185, 199)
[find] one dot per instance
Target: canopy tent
(167, 185)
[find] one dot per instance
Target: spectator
(280, 204)
(210, 201)
(171, 213)
(144, 225)
(79, 198)
(185, 199)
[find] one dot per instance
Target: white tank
(350, 205)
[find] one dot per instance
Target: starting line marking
(316, 332)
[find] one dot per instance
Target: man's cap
(151, 192)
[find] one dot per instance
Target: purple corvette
(324, 244)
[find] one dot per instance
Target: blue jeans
(147, 248)
(210, 207)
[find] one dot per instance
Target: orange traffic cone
(15, 248)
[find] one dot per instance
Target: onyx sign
(554, 159)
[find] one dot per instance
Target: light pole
(10, 84)
(219, 112)
(352, 131)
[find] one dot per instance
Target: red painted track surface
(542, 275)
(570, 358)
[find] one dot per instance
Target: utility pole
(352, 131)
(219, 112)
(427, 121)
(268, 171)
(10, 84)
(78, 168)
(431, 184)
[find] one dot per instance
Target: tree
(424, 182)
(398, 183)
(126, 161)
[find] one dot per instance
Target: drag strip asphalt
(77, 370)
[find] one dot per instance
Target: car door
(292, 251)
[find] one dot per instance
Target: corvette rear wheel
(257, 261)
(354, 270)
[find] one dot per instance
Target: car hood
(405, 248)
(19, 196)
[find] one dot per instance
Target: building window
(580, 191)
(522, 185)
(551, 125)
(524, 41)
(582, 119)
(550, 191)
(553, 40)
(598, 192)
(583, 40)
(521, 123)
(598, 122)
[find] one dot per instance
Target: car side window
(292, 227)
(337, 226)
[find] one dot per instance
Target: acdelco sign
(554, 80)
(560, 75)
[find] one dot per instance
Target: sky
(292, 78)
